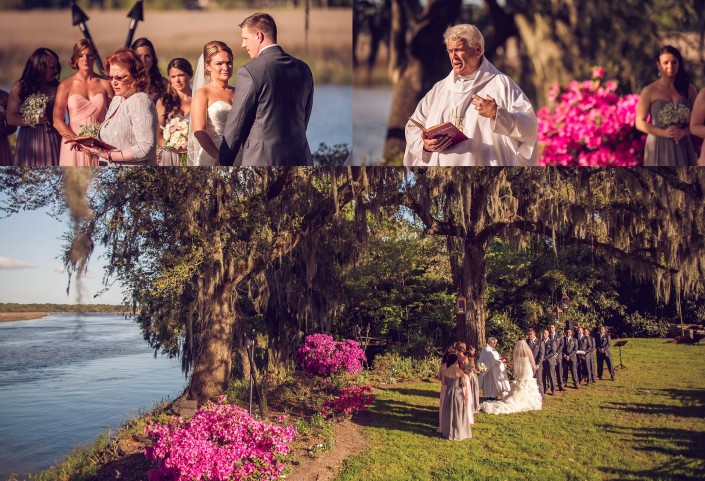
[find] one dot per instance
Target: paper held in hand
(89, 142)
(446, 128)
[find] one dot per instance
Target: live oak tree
(183, 243)
(648, 220)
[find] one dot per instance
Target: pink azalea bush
(221, 442)
(322, 356)
(350, 400)
(588, 124)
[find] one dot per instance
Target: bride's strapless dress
(215, 124)
(523, 396)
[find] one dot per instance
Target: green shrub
(638, 325)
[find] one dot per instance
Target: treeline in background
(174, 4)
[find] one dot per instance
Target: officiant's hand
(438, 144)
(485, 107)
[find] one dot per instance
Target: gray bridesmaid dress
(660, 151)
(456, 420)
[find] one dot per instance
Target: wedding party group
(538, 366)
(478, 116)
(135, 116)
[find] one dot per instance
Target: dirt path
(326, 465)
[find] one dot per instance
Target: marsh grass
(179, 33)
(648, 424)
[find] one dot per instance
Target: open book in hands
(446, 128)
(89, 142)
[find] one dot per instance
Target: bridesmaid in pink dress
(175, 102)
(86, 96)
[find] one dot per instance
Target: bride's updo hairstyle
(212, 48)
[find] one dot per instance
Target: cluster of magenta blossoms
(588, 124)
(322, 356)
(350, 400)
(221, 442)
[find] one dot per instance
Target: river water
(65, 378)
(370, 115)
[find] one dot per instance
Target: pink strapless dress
(82, 111)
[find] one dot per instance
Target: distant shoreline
(32, 315)
(21, 316)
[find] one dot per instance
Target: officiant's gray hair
(491, 340)
(470, 33)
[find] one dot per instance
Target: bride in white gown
(524, 394)
(211, 104)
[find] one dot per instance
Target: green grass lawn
(648, 424)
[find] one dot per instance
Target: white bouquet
(33, 108)
(481, 367)
(674, 114)
(176, 138)
(89, 130)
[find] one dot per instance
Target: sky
(31, 269)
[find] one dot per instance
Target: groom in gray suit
(272, 104)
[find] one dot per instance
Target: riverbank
(21, 316)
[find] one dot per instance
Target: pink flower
(598, 73)
(220, 442)
(321, 355)
(587, 123)
(350, 400)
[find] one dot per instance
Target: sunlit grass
(648, 424)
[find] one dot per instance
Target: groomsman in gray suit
(603, 353)
(557, 341)
(570, 346)
(272, 104)
(537, 349)
(550, 358)
(590, 354)
(583, 363)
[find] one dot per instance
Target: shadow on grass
(397, 415)
(682, 445)
(416, 392)
(691, 404)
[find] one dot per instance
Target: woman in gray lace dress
(667, 143)
(131, 121)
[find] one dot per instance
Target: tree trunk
(281, 339)
(554, 54)
(211, 372)
(471, 329)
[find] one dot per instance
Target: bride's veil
(523, 360)
(199, 80)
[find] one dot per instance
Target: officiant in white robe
(490, 109)
(494, 382)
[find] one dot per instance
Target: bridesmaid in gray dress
(38, 145)
(174, 103)
(131, 121)
(697, 123)
(456, 419)
(666, 145)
